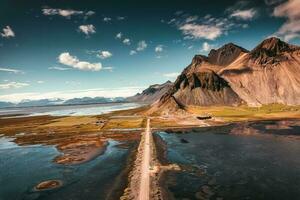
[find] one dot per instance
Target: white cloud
(40, 82)
(126, 41)
(171, 21)
(13, 85)
(244, 14)
(108, 68)
(171, 75)
(87, 29)
(94, 92)
(106, 19)
(291, 28)
(90, 13)
(141, 45)
(59, 68)
(120, 18)
(132, 52)
(72, 61)
(10, 70)
(190, 47)
(206, 47)
(199, 31)
(64, 13)
(74, 83)
(209, 27)
(67, 13)
(7, 32)
(105, 54)
(119, 35)
(191, 19)
(159, 48)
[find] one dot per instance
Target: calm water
(219, 165)
(21, 168)
(74, 110)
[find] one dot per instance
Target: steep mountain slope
(231, 75)
(152, 93)
(199, 84)
(267, 74)
(226, 54)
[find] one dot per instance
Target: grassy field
(244, 113)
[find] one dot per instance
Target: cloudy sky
(68, 49)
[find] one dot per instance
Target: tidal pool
(240, 161)
(22, 168)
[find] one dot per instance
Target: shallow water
(70, 110)
(21, 168)
(219, 165)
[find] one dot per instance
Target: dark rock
(182, 140)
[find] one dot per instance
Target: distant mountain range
(232, 75)
(51, 102)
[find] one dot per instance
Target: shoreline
(117, 191)
(83, 138)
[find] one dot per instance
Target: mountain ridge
(53, 102)
(266, 74)
(151, 94)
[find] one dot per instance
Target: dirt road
(144, 191)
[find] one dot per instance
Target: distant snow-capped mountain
(51, 102)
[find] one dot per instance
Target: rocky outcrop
(226, 54)
(203, 88)
(272, 51)
(152, 93)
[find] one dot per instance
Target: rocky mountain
(90, 100)
(40, 102)
(152, 93)
(51, 102)
(232, 75)
(267, 74)
(4, 104)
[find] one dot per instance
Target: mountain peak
(274, 44)
(271, 49)
(228, 47)
(167, 82)
(225, 54)
(197, 59)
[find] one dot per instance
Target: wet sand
(48, 185)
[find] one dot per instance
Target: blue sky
(65, 49)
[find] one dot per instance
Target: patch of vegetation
(243, 113)
(125, 123)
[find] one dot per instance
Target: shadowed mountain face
(232, 75)
(152, 93)
(203, 88)
(226, 54)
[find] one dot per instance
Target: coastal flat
(89, 134)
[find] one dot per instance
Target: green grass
(243, 113)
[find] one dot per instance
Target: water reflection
(223, 163)
(22, 168)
